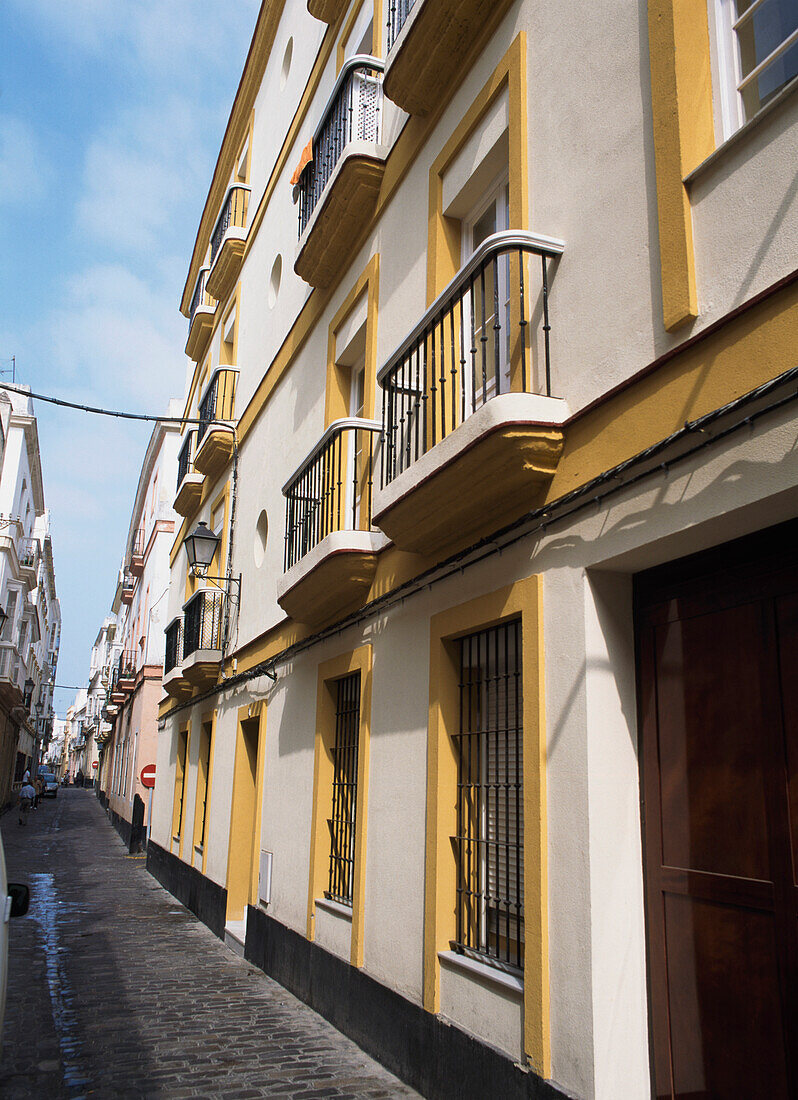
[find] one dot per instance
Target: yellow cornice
(254, 67)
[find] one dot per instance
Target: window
(489, 842)
(757, 55)
(11, 610)
(203, 774)
(344, 790)
(180, 784)
(487, 308)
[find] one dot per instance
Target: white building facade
(479, 730)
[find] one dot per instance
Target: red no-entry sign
(148, 776)
(95, 764)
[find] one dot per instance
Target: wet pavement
(116, 990)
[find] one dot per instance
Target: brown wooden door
(718, 698)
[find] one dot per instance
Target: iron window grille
(398, 11)
(332, 489)
(174, 645)
(344, 790)
(353, 114)
(217, 402)
(233, 213)
(486, 334)
(202, 622)
(489, 844)
(137, 548)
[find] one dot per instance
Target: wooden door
(718, 697)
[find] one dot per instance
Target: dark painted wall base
(204, 898)
(435, 1057)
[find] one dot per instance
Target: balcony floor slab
(333, 579)
(505, 454)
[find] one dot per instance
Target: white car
(14, 899)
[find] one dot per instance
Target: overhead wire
(118, 413)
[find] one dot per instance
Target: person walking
(27, 793)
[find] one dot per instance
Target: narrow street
(116, 990)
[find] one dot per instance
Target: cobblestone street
(116, 990)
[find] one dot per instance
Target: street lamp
(200, 546)
(28, 693)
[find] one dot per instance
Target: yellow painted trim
(520, 599)
(443, 234)
(207, 719)
(245, 813)
(346, 30)
(684, 136)
(234, 303)
(178, 811)
(329, 672)
(337, 391)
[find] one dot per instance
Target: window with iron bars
(489, 844)
(344, 790)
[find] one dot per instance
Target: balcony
(202, 638)
(428, 44)
(126, 671)
(216, 434)
(13, 674)
(136, 565)
(189, 482)
(330, 549)
(128, 583)
(174, 682)
(227, 242)
(472, 435)
(327, 10)
(339, 187)
(200, 317)
(28, 553)
(116, 693)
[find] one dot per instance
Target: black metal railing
(332, 489)
(342, 822)
(353, 113)
(127, 665)
(233, 213)
(200, 296)
(218, 401)
(202, 622)
(137, 549)
(489, 843)
(398, 11)
(128, 584)
(184, 458)
(28, 553)
(486, 334)
(174, 645)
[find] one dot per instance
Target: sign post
(148, 780)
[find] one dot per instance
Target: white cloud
(24, 169)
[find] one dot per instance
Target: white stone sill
(335, 907)
(508, 982)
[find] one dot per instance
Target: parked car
(49, 784)
(14, 900)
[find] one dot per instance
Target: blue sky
(111, 117)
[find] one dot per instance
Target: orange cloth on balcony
(304, 160)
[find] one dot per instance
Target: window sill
(740, 135)
(198, 849)
(487, 973)
(335, 907)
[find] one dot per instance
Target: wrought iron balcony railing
(28, 553)
(202, 622)
(127, 665)
(233, 213)
(200, 296)
(174, 646)
(128, 585)
(486, 334)
(332, 489)
(353, 113)
(137, 547)
(217, 402)
(184, 458)
(398, 11)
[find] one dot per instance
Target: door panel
(718, 704)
